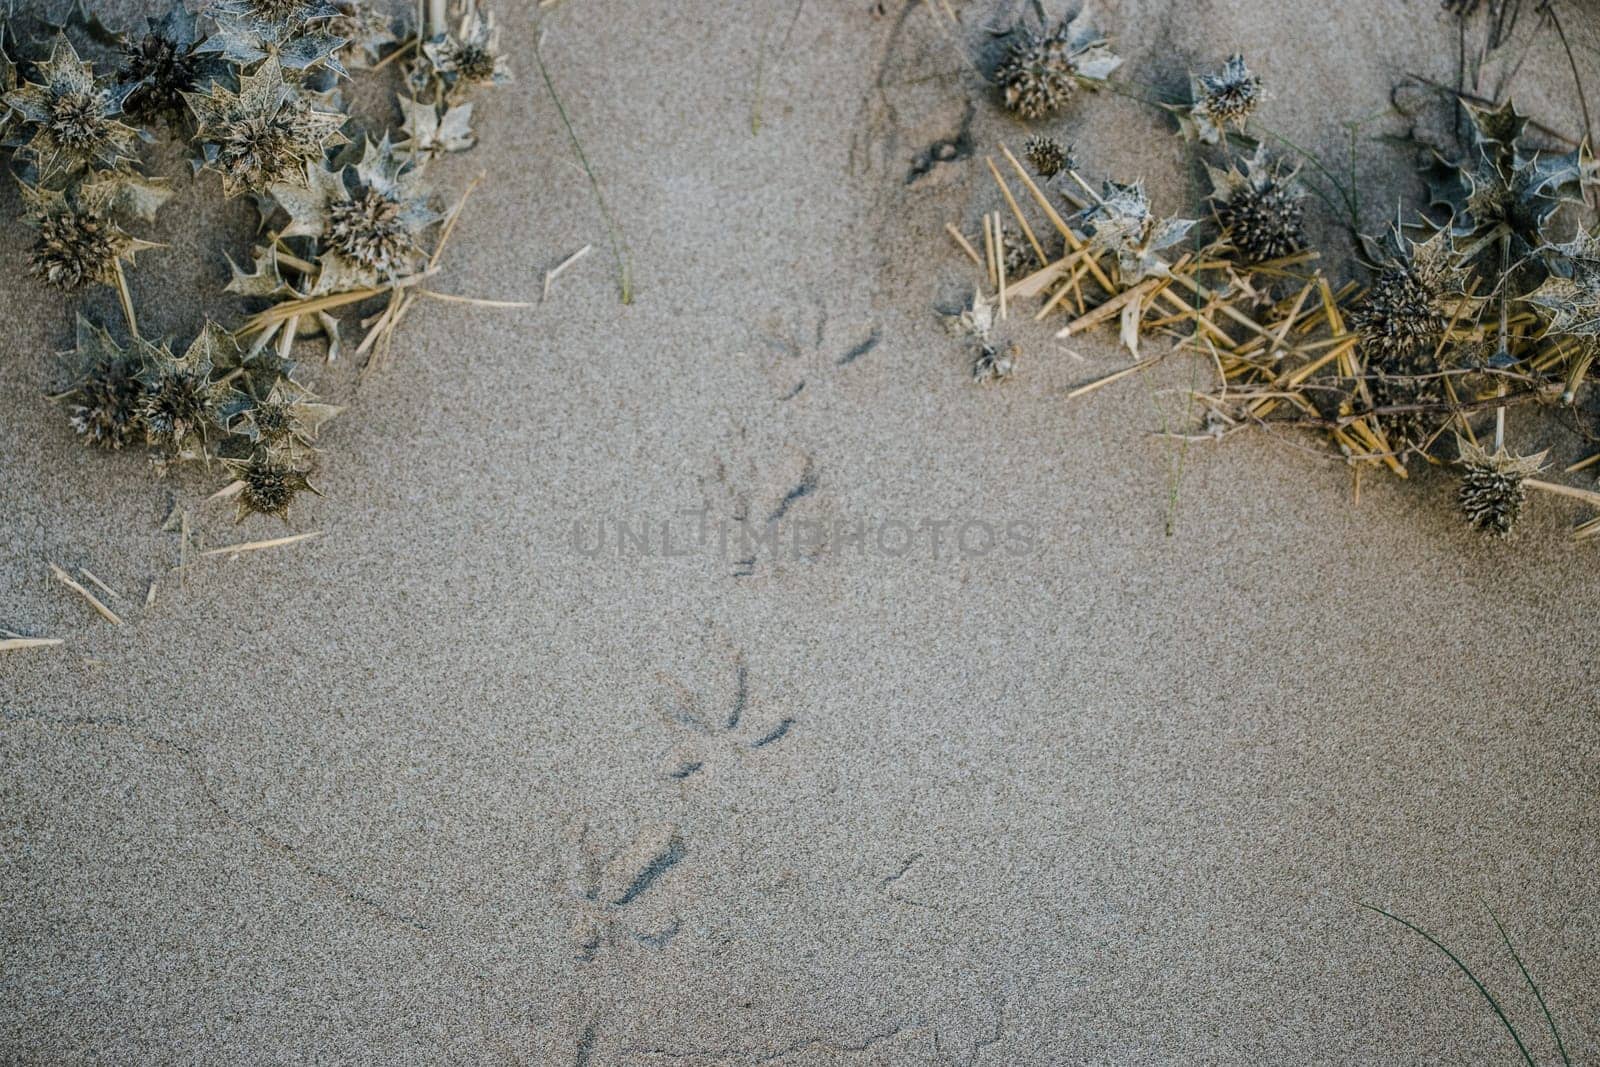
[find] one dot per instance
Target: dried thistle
(993, 362)
(1048, 156)
(270, 484)
(1492, 491)
(263, 135)
(1260, 208)
(1121, 224)
(295, 33)
(1398, 318)
(161, 65)
(1573, 296)
(368, 222)
(1501, 184)
(366, 33)
(104, 399)
(78, 242)
(1043, 70)
(72, 114)
(470, 56)
(1226, 98)
(432, 131)
(182, 406)
(284, 421)
(1403, 316)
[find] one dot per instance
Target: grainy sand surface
(438, 787)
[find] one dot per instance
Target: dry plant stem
(1500, 412)
(125, 297)
(94, 602)
(1016, 212)
(988, 251)
(559, 269)
(280, 314)
(256, 546)
(965, 245)
(1556, 489)
(102, 586)
(1073, 242)
(452, 298)
(18, 644)
(1106, 310)
(286, 258)
(1000, 263)
(1584, 464)
(1116, 376)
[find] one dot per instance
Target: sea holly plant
(1227, 98)
(1259, 205)
(72, 115)
(254, 87)
(1121, 223)
(263, 133)
(1500, 187)
(1480, 306)
(1045, 68)
(294, 32)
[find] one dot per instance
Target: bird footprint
(730, 730)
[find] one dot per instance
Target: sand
(446, 785)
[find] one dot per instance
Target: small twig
(17, 644)
(452, 298)
(966, 246)
(94, 602)
(256, 546)
(110, 592)
(561, 268)
(125, 297)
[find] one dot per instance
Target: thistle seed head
(75, 116)
(1048, 156)
(1223, 99)
(1038, 77)
(1261, 209)
(470, 56)
(161, 66)
(182, 405)
(1492, 491)
(254, 151)
(75, 248)
(1398, 319)
(270, 485)
(178, 406)
(1042, 71)
(371, 230)
(72, 114)
(264, 134)
(104, 400)
(1408, 431)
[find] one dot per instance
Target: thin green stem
(619, 244)
(1436, 943)
(1554, 1032)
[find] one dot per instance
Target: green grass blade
(619, 244)
(1436, 943)
(1560, 1045)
